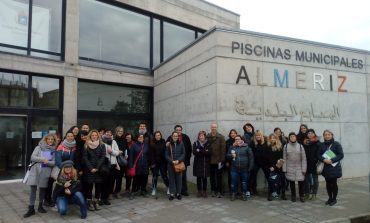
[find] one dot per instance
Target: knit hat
(67, 163)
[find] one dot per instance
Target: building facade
(64, 63)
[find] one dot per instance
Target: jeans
(311, 183)
(235, 176)
(77, 198)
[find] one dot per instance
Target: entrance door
(13, 131)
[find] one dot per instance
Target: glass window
(156, 42)
(45, 92)
(44, 125)
(101, 97)
(46, 25)
(175, 38)
(113, 34)
(13, 90)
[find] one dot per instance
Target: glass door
(13, 131)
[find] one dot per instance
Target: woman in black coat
(331, 153)
(201, 167)
(311, 146)
(158, 163)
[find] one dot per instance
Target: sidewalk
(353, 200)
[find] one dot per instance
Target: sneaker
(232, 198)
(168, 191)
(248, 194)
(178, 197)
(154, 192)
(219, 195)
(274, 195)
(333, 202)
(269, 198)
(244, 197)
(171, 197)
(328, 201)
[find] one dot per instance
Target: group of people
(68, 170)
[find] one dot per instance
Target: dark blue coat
(142, 165)
(329, 171)
(244, 160)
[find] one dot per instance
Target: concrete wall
(199, 86)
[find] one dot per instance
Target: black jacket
(262, 155)
(93, 158)
(311, 148)
(329, 171)
(202, 159)
(59, 190)
(157, 152)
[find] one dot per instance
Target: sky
(343, 23)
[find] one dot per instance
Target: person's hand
(67, 184)
(94, 170)
(175, 162)
(67, 191)
(120, 152)
(272, 169)
(326, 161)
(167, 144)
(233, 155)
(198, 150)
(126, 157)
(80, 173)
(45, 161)
(109, 150)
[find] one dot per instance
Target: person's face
(178, 130)
(83, 137)
(85, 127)
(50, 141)
(303, 129)
(232, 134)
(249, 129)
(278, 132)
(238, 141)
(310, 135)
(101, 133)
(141, 138)
(273, 140)
(213, 128)
(142, 127)
(67, 170)
(175, 136)
(158, 136)
(328, 136)
(292, 138)
(128, 138)
(202, 137)
(108, 134)
(120, 132)
(70, 137)
(75, 131)
(258, 137)
(94, 136)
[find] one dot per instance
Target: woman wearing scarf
(68, 189)
(93, 159)
(66, 149)
(43, 160)
(201, 168)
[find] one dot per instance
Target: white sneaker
(168, 191)
(275, 195)
(154, 192)
(248, 194)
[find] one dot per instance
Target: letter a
(240, 75)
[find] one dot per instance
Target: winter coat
(229, 143)
(64, 153)
(202, 159)
(40, 173)
(59, 189)
(157, 152)
(178, 152)
(275, 156)
(262, 155)
(142, 164)
(78, 155)
(311, 148)
(295, 161)
(218, 147)
(113, 156)
(248, 137)
(93, 158)
(329, 171)
(244, 160)
(187, 145)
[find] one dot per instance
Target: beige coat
(295, 162)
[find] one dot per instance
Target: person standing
(295, 165)
(175, 153)
(128, 144)
(331, 153)
(241, 158)
(302, 134)
(93, 160)
(229, 143)
(218, 146)
(43, 160)
(248, 133)
(119, 137)
(311, 146)
(158, 161)
(202, 153)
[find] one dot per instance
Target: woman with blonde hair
(93, 159)
(42, 161)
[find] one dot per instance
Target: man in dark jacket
(188, 151)
(218, 146)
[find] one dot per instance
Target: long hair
(117, 129)
(44, 139)
(277, 146)
(171, 139)
(89, 137)
(259, 132)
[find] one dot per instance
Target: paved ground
(353, 200)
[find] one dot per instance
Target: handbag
(104, 169)
(28, 172)
(55, 172)
(122, 162)
(319, 167)
(131, 171)
(180, 166)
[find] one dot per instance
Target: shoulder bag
(320, 165)
(180, 166)
(28, 172)
(131, 172)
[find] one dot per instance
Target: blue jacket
(329, 171)
(244, 159)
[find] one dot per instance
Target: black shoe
(171, 197)
(333, 202)
(269, 198)
(178, 197)
(41, 209)
(100, 202)
(115, 195)
(294, 199)
(30, 212)
(301, 199)
(48, 203)
(328, 201)
(283, 197)
(106, 202)
(185, 194)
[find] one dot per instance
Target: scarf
(69, 144)
(93, 145)
(107, 140)
(45, 146)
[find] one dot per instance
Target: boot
(96, 205)
(30, 212)
(41, 208)
(205, 195)
(294, 199)
(310, 197)
(232, 198)
(269, 197)
(313, 197)
(302, 199)
(90, 205)
(283, 197)
(199, 194)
